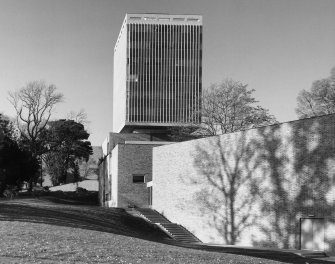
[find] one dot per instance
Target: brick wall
(133, 159)
(126, 154)
(101, 179)
(262, 180)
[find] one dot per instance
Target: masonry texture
(133, 160)
(252, 187)
(126, 155)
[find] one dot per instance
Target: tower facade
(157, 72)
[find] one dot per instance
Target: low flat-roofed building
(126, 169)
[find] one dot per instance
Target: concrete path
(284, 255)
(287, 256)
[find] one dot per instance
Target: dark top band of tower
(157, 72)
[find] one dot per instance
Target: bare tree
(34, 105)
(79, 117)
(320, 100)
(229, 107)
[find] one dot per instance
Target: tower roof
(159, 19)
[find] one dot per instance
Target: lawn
(46, 230)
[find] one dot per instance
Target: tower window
(133, 77)
(138, 178)
(163, 19)
(149, 18)
(193, 19)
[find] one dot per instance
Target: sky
(277, 47)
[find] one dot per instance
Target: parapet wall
(252, 187)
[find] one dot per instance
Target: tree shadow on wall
(229, 188)
(267, 178)
(299, 177)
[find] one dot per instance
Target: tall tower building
(157, 72)
(157, 85)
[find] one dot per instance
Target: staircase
(175, 231)
(151, 215)
(179, 233)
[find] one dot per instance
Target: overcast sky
(278, 47)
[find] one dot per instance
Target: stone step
(175, 231)
(157, 220)
(180, 233)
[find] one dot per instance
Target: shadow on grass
(63, 212)
(60, 212)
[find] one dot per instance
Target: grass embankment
(46, 230)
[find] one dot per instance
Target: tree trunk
(232, 220)
(41, 172)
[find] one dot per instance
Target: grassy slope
(42, 231)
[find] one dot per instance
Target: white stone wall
(114, 177)
(120, 82)
(289, 175)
